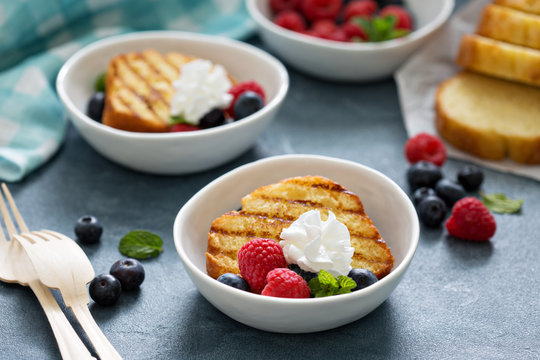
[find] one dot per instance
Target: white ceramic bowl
(172, 153)
(339, 61)
(384, 201)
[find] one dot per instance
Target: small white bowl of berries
(281, 285)
(338, 40)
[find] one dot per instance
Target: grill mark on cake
(310, 203)
(146, 100)
(121, 99)
(173, 65)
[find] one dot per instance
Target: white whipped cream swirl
(201, 87)
(317, 245)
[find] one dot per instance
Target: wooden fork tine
(10, 227)
(14, 210)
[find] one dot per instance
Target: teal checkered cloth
(37, 36)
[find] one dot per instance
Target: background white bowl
(340, 61)
(384, 201)
(172, 153)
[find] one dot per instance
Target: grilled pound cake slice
(271, 208)
(139, 90)
(490, 118)
(500, 59)
(509, 25)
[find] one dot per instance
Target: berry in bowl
(358, 40)
(168, 102)
(300, 245)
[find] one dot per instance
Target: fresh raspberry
(323, 28)
(242, 87)
(364, 8)
(285, 283)
(184, 127)
(471, 220)
(339, 35)
(404, 19)
(291, 20)
(321, 9)
(256, 258)
(354, 32)
(281, 5)
(426, 147)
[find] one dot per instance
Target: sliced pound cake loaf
(489, 117)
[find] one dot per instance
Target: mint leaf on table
(140, 244)
(325, 284)
(500, 203)
(99, 85)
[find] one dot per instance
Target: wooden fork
(16, 267)
(61, 264)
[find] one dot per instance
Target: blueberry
(88, 229)
(470, 177)
(421, 193)
(306, 275)
(129, 272)
(362, 277)
(234, 280)
(246, 104)
(213, 118)
(105, 289)
(432, 211)
(449, 191)
(95, 106)
(423, 174)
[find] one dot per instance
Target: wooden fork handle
(70, 345)
(103, 347)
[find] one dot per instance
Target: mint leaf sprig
(380, 28)
(325, 284)
(500, 203)
(141, 244)
(99, 84)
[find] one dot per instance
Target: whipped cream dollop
(317, 245)
(201, 87)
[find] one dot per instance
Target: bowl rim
(393, 276)
(260, 19)
(89, 49)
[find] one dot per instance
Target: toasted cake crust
(532, 6)
(509, 25)
(490, 118)
(500, 59)
(271, 208)
(139, 90)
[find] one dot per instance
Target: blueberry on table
(129, 272)
(432, 211)
(423, 174)
(449, 191)
(234, 280)
(105, 289)
(421, 193)
(362, 277)
(88, 229)
(246, 104)
(470, 177)
(96, 106)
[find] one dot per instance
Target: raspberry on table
(403, 18)
(425, 147)
(321, 9)
(256, 258)
(285, 283)
(471, 220)
(363, 8)
(241, 88)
